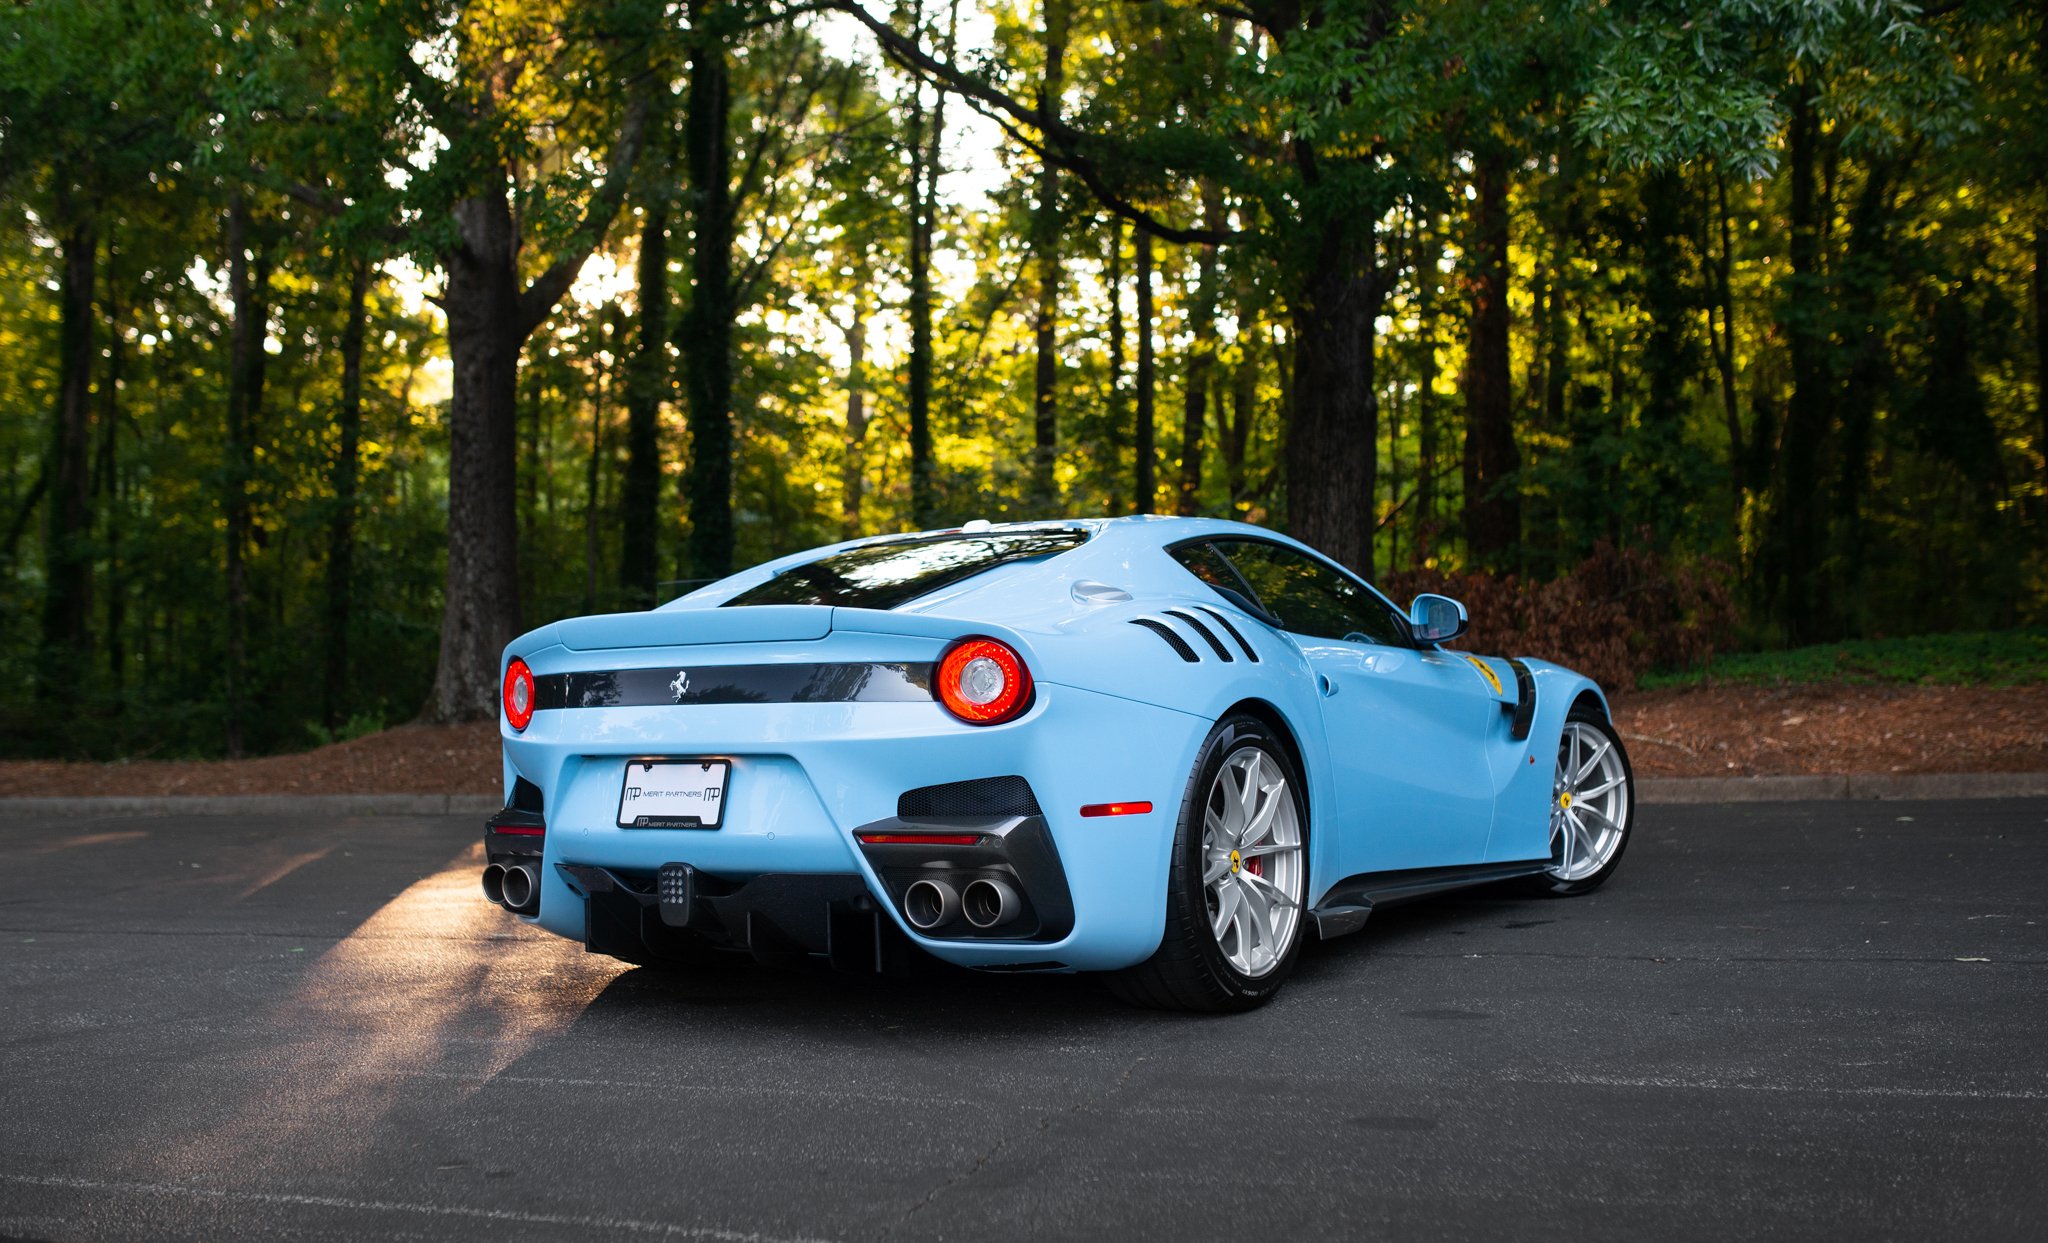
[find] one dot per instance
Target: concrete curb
(1650, 790)
(1841, 787)
(258, 805)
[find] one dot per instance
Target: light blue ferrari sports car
(1164, 748)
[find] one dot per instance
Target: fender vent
(983, 796)
(1523, 713)
(1173, 640)
(1224, 622)
(1222, 652)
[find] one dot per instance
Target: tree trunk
(853, 471)
(67, 556)
(1797, 530)
(1866, 367)
(245, 395)
(923, 501)
(1493, 511)
(341, 534)
(1201, 359)
(592, 498)
(1724, 349)
(646, 381)
(481, 612)
(1244, 407)
(109, 475)
(1145, 453)
(1113, 277)
(1426, 272)
(1660, 439)
(1333, 437)
(1045, 257)
(707, 141)
(2041, 341)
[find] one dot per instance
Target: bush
(1613, 617)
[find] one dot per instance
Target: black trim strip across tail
(690, 686)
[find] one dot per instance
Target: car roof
(1109, 555)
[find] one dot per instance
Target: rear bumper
(806, 776)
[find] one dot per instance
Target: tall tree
(1046, 221)
(67, 593)
(1493, 509)
(1146, 453)
(647, 379)
(341, 534)
(1201, 360)
(249, 296)
(707, 324)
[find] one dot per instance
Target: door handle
(1325, 685)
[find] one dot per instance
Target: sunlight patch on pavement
(436, 979)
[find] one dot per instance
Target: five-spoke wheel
(1252, 864)
(1237, 891)
(1592, 800)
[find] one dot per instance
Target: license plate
(673, 794)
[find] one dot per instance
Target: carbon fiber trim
(981, 796)
(1222, 652)
(1164, 631)
(690, 686)
(1223, 621)
(1524, 713)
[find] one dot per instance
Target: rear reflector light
(920, 839)
(983, 682)
(520, 830)
(518, 694)
(1117, 809)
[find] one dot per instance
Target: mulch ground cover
(1713, 731)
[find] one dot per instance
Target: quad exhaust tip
(990, 902)
(929, 903)
(494, 883)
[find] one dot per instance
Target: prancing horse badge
(681, 685)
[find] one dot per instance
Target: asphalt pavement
(1813, 1020)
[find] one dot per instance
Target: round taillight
(518, 693)
(983, 682)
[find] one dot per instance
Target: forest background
(342, 340)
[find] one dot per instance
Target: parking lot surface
(1793, 1020)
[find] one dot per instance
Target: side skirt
(1348, 904)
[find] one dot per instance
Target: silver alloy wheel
(1589, 802)
(1253, 872)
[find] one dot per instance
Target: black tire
(1189, 970)
(1550, 886)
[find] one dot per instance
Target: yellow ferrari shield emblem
(1492, 679)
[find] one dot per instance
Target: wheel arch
(1591, 701)
(1269, 714)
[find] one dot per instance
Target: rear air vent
(526, 796)
(1224, 622)
(1222, 652)
(1166, 632)
(983, 796)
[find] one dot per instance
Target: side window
(1205, 563)
(1311, 598)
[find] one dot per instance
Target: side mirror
(1436, 619)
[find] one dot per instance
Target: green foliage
(1648, 158)
(1995, 658)
(360, 725)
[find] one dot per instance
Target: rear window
(882, 576)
